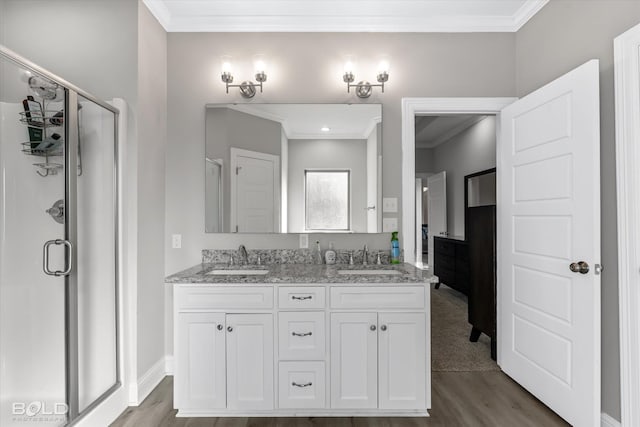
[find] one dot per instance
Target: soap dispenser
(330, 255)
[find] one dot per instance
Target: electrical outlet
(304, 241)
(176, 241)
(389, 225)
(390, 204)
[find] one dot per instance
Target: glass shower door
(34, 252)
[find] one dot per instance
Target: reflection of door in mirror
(213, 196)
(255, 184)
(437, 205)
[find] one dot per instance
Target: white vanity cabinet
(223, 360)
(378, 360)
(301, 350)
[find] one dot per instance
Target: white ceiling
(304, 121)
(343, 15)
(432, 131)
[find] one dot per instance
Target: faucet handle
(259, 260)
(378, 260)
(350, 257)
(231, 260)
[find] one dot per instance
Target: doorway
(452, 151)
(547, 146)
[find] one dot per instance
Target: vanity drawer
(301, 297)
(377, 297)
(301, 385)
(205, 297)
(301, 335)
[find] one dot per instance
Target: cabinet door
(250, 361)
(402, 360)
(200, 361)
(354, 360)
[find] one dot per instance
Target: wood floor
(474, 399)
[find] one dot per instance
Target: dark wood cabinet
(480, 232)
(451, 263)
(481, 237)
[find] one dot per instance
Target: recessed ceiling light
(325, 129)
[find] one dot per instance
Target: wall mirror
(293, 168)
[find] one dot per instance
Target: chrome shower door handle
(45, 257)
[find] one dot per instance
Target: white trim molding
(151, 379)
(627, 99)
(412, 107)
(350, 16)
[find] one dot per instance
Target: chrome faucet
(365, 255)
(243, 257)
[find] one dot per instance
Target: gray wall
(424, 160)
(152, 142)
(472, 150)
(226, 128)
(328, 154)
(421, 65)
(562, 36)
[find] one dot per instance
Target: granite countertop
(303, 273)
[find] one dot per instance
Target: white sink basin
(238, 272)
(371, 272)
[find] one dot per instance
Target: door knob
(579, 267)
(220, 327)
(372, 327)
(383, 327)
(229, 328)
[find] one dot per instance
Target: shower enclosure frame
(71, 144)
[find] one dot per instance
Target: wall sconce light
(247, 87)
(364, 88)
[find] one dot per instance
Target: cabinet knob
(372, 327)
(220, 327)
(229, 328)
(383, 327)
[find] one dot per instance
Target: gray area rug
(451, 349)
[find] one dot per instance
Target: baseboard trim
(151, 379)
(168, 367)
(608, 421)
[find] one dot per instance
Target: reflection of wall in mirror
(305, 154)
(226, 128)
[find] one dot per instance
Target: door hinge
(238, 169)
(236, 228)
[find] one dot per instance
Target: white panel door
(437, 209)
(549, 218)
(255, 190)
(250, 361)
(402, 361)
(200, 355)
(354, 360)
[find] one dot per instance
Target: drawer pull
(295, 384)
(303, 334)
(301, 298)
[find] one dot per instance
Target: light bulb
(383, 67)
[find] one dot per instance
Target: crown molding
(288, 16)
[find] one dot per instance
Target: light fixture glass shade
(225, 64)
(349, 65)
(259, 64)
(383, 67)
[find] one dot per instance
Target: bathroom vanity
(301, 340)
